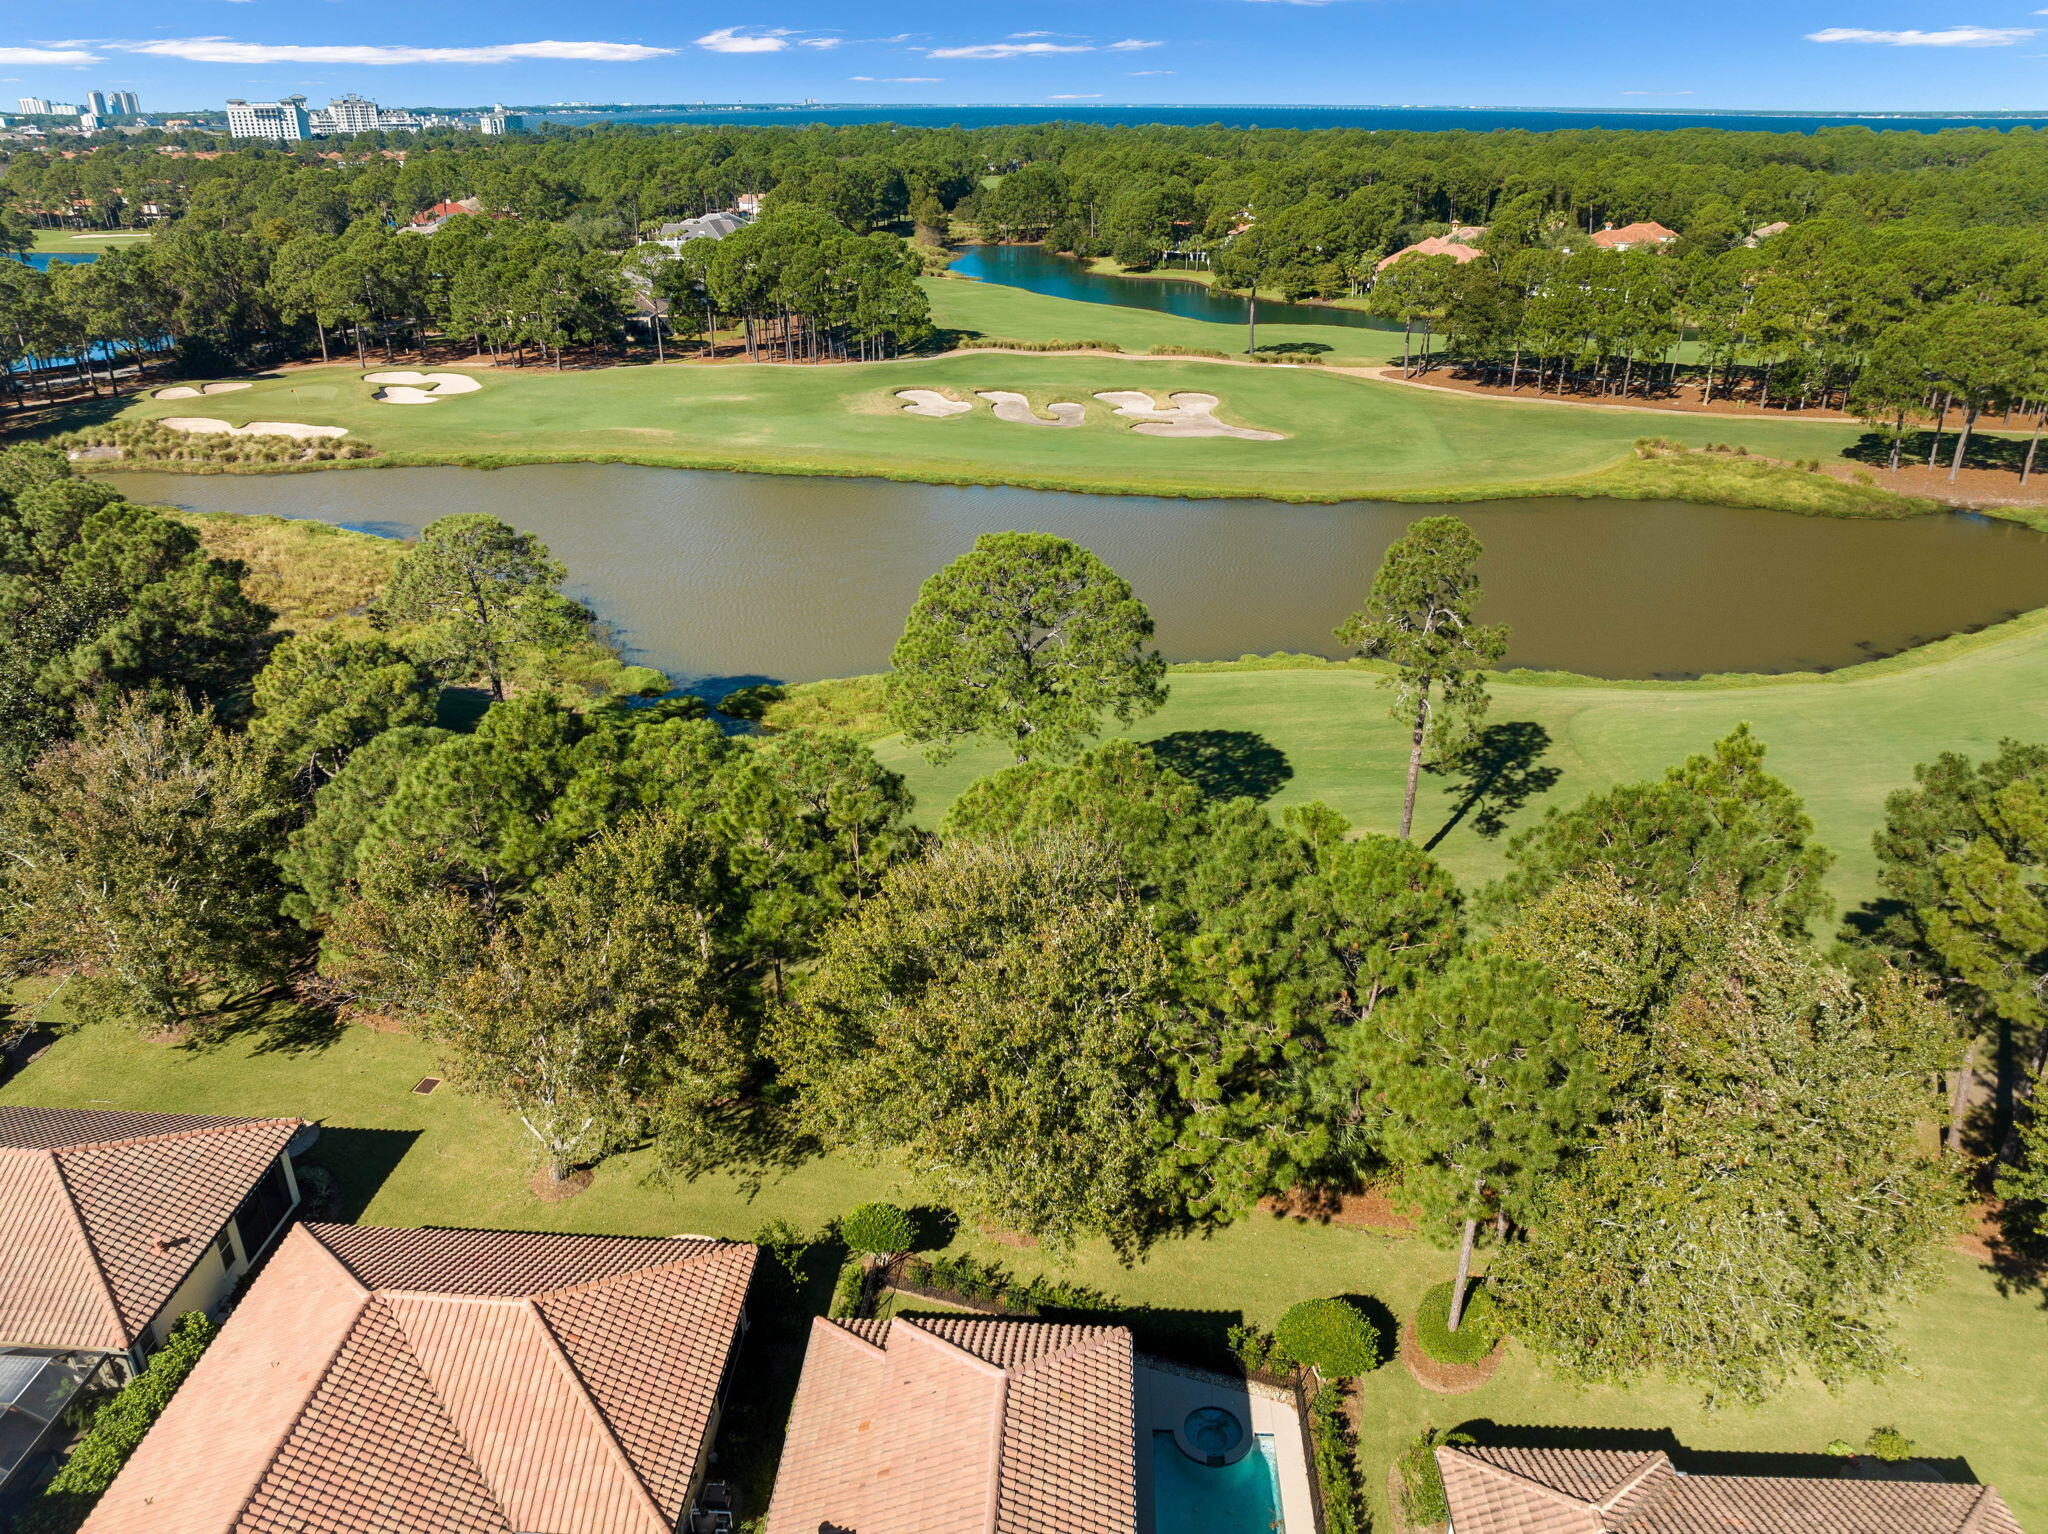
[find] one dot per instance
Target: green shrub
(1336, 1465)
(1171, 350)
(64, 1504)
(1888, 1443)
(1422, 1483)
(848, 1291)
(1333, 1337)
(880, 1230)
(1478, 1332)
(789, 1246)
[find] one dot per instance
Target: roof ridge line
(1658, 1458)
(306, 1405)
(1066, 1350)
(1528, 1481)
(1976, 1513)
(997, 1441)
(604, 1423)
(710, 1247)
(170, 1134)
(92, 1251)
(909, 1323)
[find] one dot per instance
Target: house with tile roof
(1603, 1491)
(1452, 245)
(449, 1382)
(113, 1225)
(960, 1425)
(1628, 236)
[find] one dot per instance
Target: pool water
(1188, 1498)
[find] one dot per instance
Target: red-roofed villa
(378, 1381)
(1614, 1491)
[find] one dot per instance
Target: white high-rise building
(283, 122)
(96, 103)
(32, 106)
(128, 103)
(352, 114)
(88, 122)
(498, 122)
(63, 108)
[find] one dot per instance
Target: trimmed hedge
(877, 1230)
(1337, 1465)
(1479, 1329)
(67, 1501)
(1333, 1337)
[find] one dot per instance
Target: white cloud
(221, 50)
(819, 42)
(1947, 37)
(733, 40)
(1140, 73)
(47, 56)
(1018, 47)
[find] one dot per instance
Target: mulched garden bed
(1446, 1379)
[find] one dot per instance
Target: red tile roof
(1634, 234)
(447, 1382)
(103, 1214)
(960, 1426)
(1435, 245)
(1581, 1491)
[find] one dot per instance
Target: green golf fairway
(1345, 437)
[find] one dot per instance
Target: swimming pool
(1187, 1498)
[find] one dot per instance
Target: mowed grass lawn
(1016, 314)
(1974, 1389)
(1843, 741)
(85, 242)
(1345, 437)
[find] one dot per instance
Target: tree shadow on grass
(278, 1019)
(1793, 1465)
(1496, 777)
(1298, 348)
(1225, 764)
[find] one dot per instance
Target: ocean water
(1414, 119)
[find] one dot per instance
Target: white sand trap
(187, 391)
(929, 402)
(408, 388)
(208, 424)
(1188, 415)
(1015, 407)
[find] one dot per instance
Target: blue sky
(1863, 55)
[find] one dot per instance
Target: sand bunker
(929, 402)
(406, 388)
(187, 391)
(207, 423)
(1015, 407)
(1188, 415)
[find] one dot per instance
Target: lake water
(43, 260)
(1412, 119)
(711, 575)
(1039, 270)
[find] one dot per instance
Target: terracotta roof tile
(447, 1382)
(1577, 1491)
(103, 1214)
(960, 1426)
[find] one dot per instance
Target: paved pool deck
(1166, 1393)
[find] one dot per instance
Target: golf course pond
(713, 575)
(1038, 270)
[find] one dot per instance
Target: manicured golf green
(1345, 437)
(78, 242)
(1843, 741)
(403, 1159)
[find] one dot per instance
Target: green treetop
(1419, 617)
(1027, 639)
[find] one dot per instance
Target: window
(227, 1245)
(264, 1210)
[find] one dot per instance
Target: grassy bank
(308, 573)
(1345, 437)
(1302, 728)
